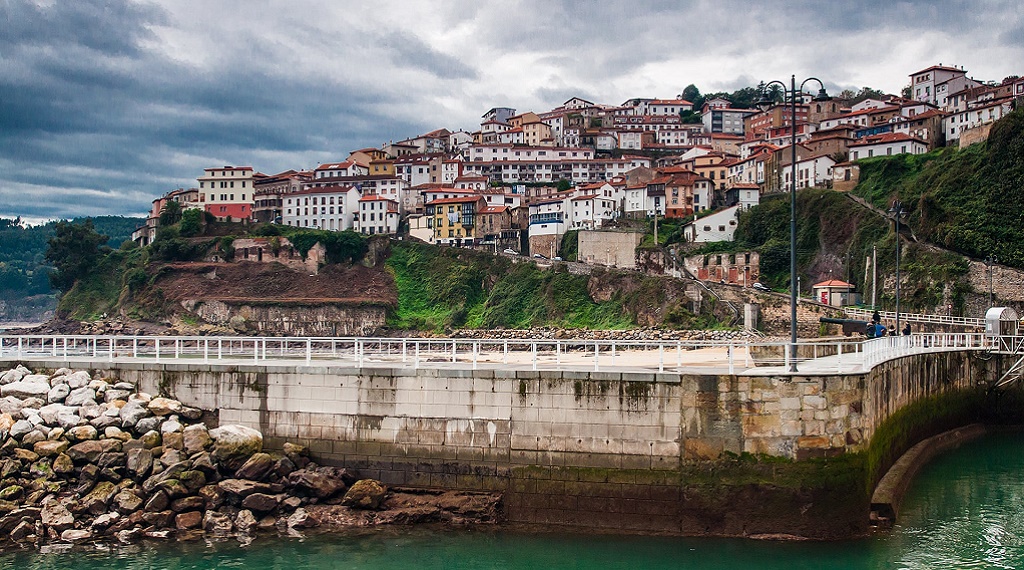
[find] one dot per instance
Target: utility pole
(990, 261)
(874, 276)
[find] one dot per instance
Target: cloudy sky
(105, 105)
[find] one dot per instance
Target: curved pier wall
(647, 452)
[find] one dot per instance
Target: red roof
(492, 209)
(459, 200)
(885, 138)
(336, 165)
(375, 198)
(833, 283)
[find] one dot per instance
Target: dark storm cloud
(91, 118)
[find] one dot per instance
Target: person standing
(906, 330)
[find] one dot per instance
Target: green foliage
(563, 185)
(965, 200)
(73, 251)
(191, 223)
(441, 288)
(100, 289)
(341, 247)
(569, 249)
(170, 214)
(170, 246)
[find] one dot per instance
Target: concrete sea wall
(644, 452)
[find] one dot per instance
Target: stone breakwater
(86, 458)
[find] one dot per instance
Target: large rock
(74, 535)
(217, 524)
(171, 472)
(365, 494)
(80, 397)
(157, 502)
(233, 444)
(97, 501)
(301, 519)
(191, 519)
(256, 467)
(111, 395)
(63, 465)
(164, 406)
(192, 480)
(58, 393)
(246, 522)
(21, 428)
(196, 438)
(190, 503)
(68, 420)
(261, 502)
(6, 423)
(316, 484)
(213, 495)
(132, 412)
(140, 461)
(243, 488)
(24, 389)
(83, 433)
(57, 516)
(11, 405)
(12, 493)
(50, 448)
(78, 379)
(14, 375)
(90, 450)
(127, 502)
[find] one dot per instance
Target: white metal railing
(866, 314)
(828, 356)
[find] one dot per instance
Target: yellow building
(454, 219)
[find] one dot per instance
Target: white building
(340, 169)
(331, 208)
(227, 192)
(377, 215)
(979, 115)
(718, 226)
(886, 144)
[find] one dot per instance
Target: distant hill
(25, 293)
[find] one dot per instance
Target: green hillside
(970, 201)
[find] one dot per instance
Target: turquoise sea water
(966, 510)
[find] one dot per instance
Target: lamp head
(822, 96)
(764, 103)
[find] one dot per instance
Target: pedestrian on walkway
(880, 330)
(876, 318)
(906, 330)
(892, 330)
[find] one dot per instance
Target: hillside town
(521, 180)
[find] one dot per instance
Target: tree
(563, 185)
(73, 250)
(171, 214)
(191, 222)
(692, 94)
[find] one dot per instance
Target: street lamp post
(897, 212)
(764, 104)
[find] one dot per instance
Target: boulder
(21, 428)
(132, 412)
(36, 379)
(32, 404)
(129, 536)
(33, 437)
(55, 433)
(57, 516)
(22, 532)
(90, 450)
(103, 421)
(12, 493)
(42, 469)
(174, 488)
(246, 522)
(301, 519)
(173, 440)
(6, 422)
(316, 484)
(164, 406)
(204, 462)
(112, 459)
(139, 462)
(171, 472)
(191, 414)
(171, 425)
(97, 501)
(50, 448)
(74, 535)
(58, 393)
(11, 405)
(233, 444)
(150, 439)
(127, 502)
(196, 438)
(192, 503)
(104, 521)
(114, 432)
(13, 375)
(192, 480)
(78, 379)
(25, 455)
(111, 395)
(243, 488)
(68, 420)
(24, 389)
(261, 502)
(213, 495)
(127, 386)
(83, 432)
(90, 411)
(218, 524)
(171, 456)
(365, 494)
(147, 424)
(191, 519)
(80, 397)
(63, 465)
(256, 467)
(157, 502)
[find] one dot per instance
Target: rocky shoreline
(86, 458)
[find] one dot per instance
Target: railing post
(404, 350)
(476, 349)
(206, 351)
(661, 357)
(177, 347)
(55, 346)
(19, 347)
(558, 352)
(416, 364)
(839, 365)
(732, 363)
(534, 345)
(679, 354)
(220, 348)
(597, 355)
(135, 347)
(453, 350)
(504, 358)
(309, 351)
(111, 341)
(95, 343)
(256, 350)
(157, 340)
